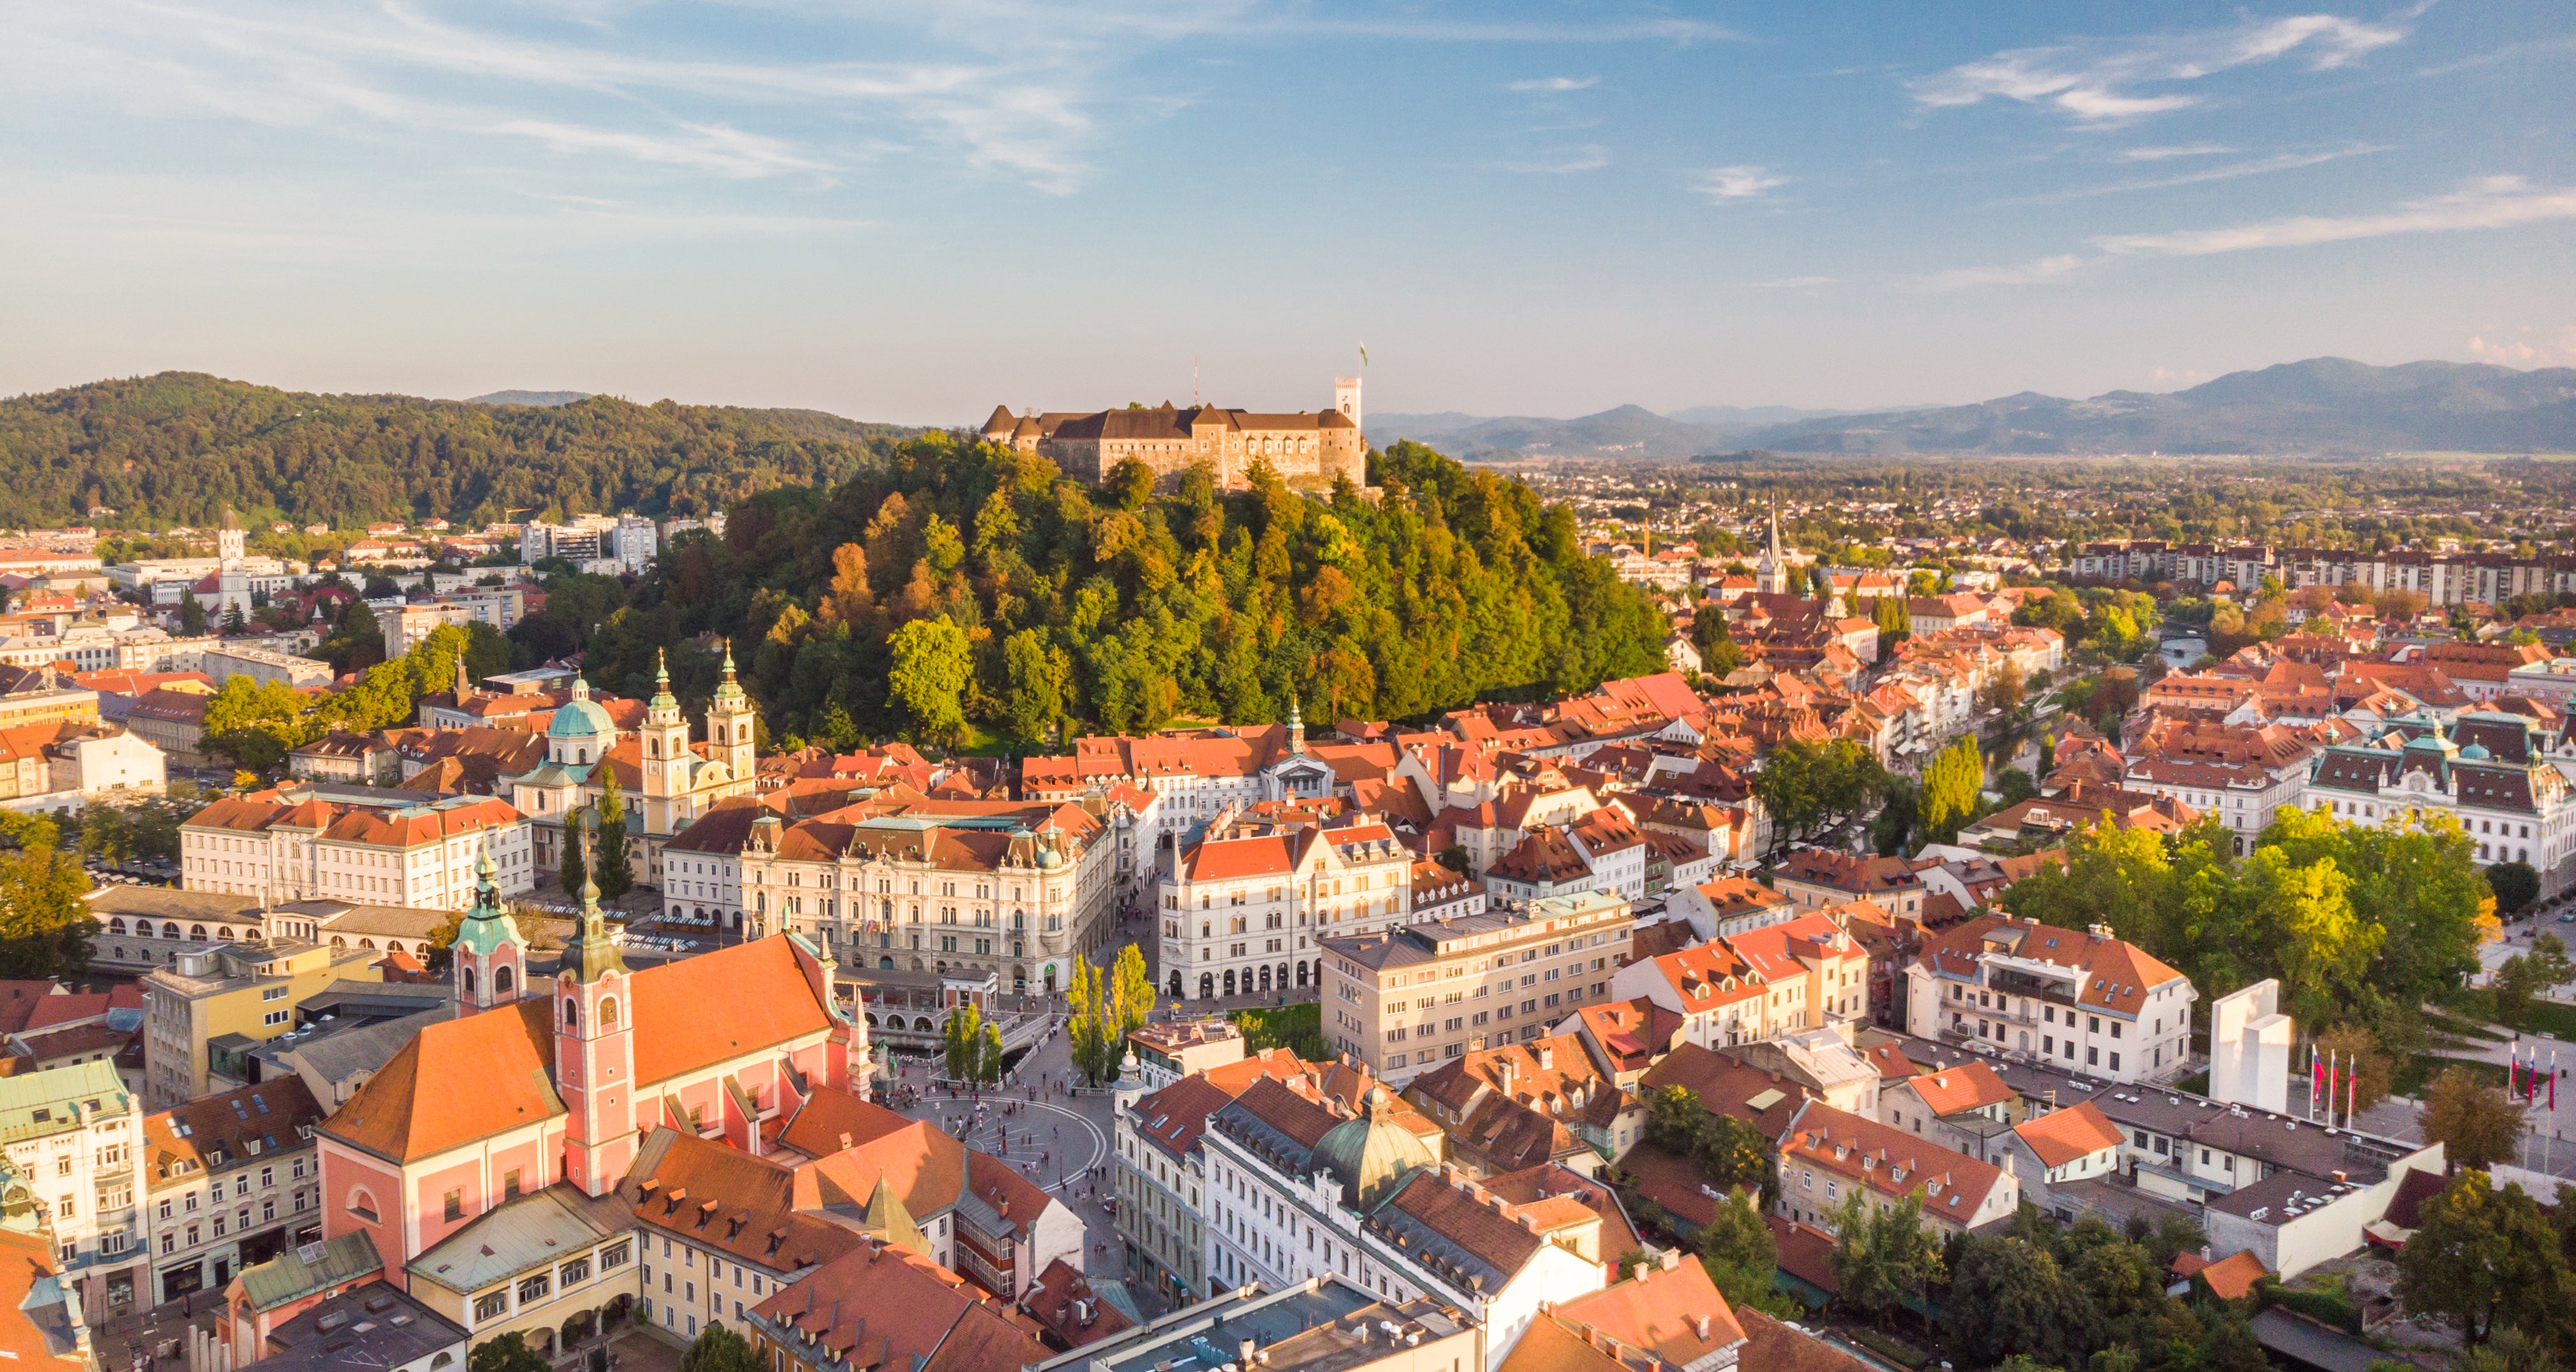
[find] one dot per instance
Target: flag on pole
(2553, 1081)
(2513, 1072)
(1363, 357)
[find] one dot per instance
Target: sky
(912, 210)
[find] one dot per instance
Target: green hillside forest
(178, 447)
(962, 592)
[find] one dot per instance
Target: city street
(1061, 1141)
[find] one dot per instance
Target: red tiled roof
(2064, 1136)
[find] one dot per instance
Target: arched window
(1207, 985)
(608, 1010)
(116, 928)
(441, 1360)
(197, 931)
(362, 1203)
(469, 974)
(571, 1013)
(224, 932)
(367, 944)
(502, 982)
(169, 930)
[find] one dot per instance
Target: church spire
(488, 952)
(592, 953)
(728, 688)
(662, 698)
(1296, 729)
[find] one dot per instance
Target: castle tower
(595, 1052)
(729, 721)
(230, 542)
(491, 958)
(1346, 398)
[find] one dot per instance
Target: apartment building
(1409, 999)
(1161, 1177)
(1300, 1187)
(1828, 1156)
(1761, 983)
(1818, 877)
(205, 1012)
(1013, 890)
(290, 844)
(229, 1181)
(1244, 909)
(2491, 772)
(2239, 773)
(2027, 992)
(75, 1136)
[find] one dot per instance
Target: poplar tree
(614, 876)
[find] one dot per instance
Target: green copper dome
(580, 717)
(1373, 1155)
(487, 925)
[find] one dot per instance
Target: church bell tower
(595, 1051)
(729, 722)
(490, 957)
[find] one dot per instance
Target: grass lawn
(2458, 1026)
(2552, 1017)
(1298, 1028)
(2414, 1071)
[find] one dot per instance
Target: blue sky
(914, 209)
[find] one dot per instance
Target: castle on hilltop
(1305, 448)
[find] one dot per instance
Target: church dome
(580, 717)
(1373, 1155)
(2475, 752)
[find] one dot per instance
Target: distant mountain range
(529, 398)
(2327, 405)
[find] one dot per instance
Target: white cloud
(1554, 84)
(2179, 376)
(1580, 158)
(2026, 274)
(2278, 162)
(2495, 202)
(2552, 349)
(2174, 150)
(1723, 184)
(2108, 82)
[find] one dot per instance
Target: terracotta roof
(881, 1306)
(1727, 1087)
(1674, 1310)
(2064, 1136)
(1970, 1085)
(464, 1079)
(2232, 1277)
(220, 1130)
(720, 1197)
(1770, 1346)
(925, 1167)
(832, 1119)
(1062, 1300)
(455, 1082)
(702, 1010)
(1889, 1161)
(1530, 1185)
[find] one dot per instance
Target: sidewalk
(135, 1339)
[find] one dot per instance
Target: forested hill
(180, 446)
(963, 592)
